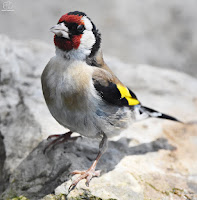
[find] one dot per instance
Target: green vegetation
(19, 198)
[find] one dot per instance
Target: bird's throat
(67, 44)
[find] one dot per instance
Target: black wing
(116, 94)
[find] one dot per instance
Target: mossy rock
(19, 198)
(54, 197)
(84, 196)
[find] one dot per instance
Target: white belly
(70, 96)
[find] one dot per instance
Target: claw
(88, 175)
(87, 183)
(88, 179)
(51, 136)
(59, 139)
(72, 187)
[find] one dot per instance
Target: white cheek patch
(87, 40)
(87, 23)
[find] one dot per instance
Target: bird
(83, 94)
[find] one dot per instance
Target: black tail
(154, 113)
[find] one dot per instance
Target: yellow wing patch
(126, 94)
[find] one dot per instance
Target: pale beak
(60, 30)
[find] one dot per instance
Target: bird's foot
(59, 139)
(88, 175)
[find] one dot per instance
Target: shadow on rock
(39, 174)
(3, 172)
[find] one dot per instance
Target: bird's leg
(90, 173)
(59, 139)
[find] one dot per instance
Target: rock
(153, 159)
(22, 102)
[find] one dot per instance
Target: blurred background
(159, 33)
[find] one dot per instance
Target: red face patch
(66, 44)
(71, 19)
(74, 42)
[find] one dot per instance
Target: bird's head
(76, 35)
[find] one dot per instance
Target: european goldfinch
(81, 91)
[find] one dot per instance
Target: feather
(111, 90)
(153, 113)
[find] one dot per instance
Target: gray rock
(152, 159)
(39, 173)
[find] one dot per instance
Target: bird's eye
(80, 28)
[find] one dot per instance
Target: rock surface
(153, 159)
